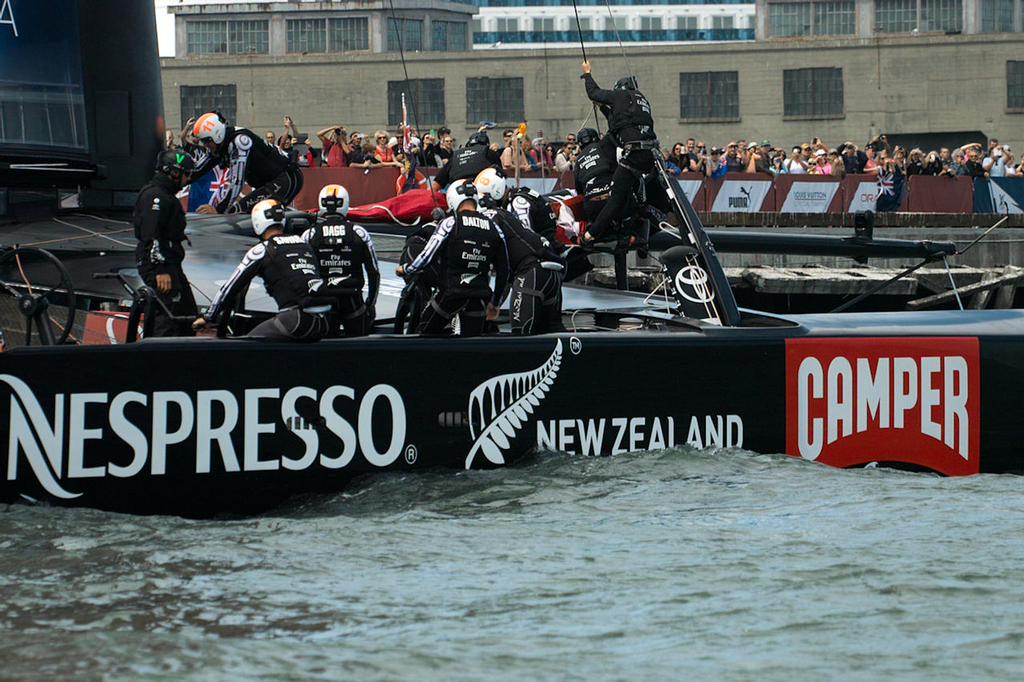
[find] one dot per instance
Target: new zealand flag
(890, 190)
(208, 189)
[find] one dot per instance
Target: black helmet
(478, 138)
(627, 83)
(587, 136)
(174, 160)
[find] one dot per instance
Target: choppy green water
(674, 565)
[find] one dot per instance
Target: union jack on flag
(218, 184)
(885, 184)
(209, 189)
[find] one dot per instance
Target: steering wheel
(37, 279)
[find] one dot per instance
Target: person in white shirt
(795, 164)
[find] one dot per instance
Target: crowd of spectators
(523, 153)
(817, 158)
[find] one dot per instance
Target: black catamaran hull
(203, 426)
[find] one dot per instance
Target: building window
(688, 23)
(424, 102)
(650, 23)
(405, 34)
(306, 35)
(541, 24)
(895, 16)
(788, 19)
(721, 22)
(440, 35)
(506, 24)
(709, 95)
(614, 23)
(346, 35)
(449, 36)
(813, 93)
(494, 99)
(996, 16)
(1015, 85)
(206, 37)
(941, 15)
(196, 100)
(834, 18)
(248, 37)
(584, 24)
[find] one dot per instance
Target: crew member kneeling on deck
(631, 126)
(535, 305)
(289, 271)
(344, 250)
(468, 244)
(159, 224)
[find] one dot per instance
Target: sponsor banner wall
(938, 194)
(735, 192)
(740, 193)
(998, 195)
(692, 185)
(807, 194)
(860, 192)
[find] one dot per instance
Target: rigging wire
(583, 49)
(629, 69)
(405, 71)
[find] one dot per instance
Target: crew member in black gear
(344, 250)
(251, 159)
(533, 211)
(631, 126)
(288, 267)
(159, 224)
(595, 167)
(535, 304)
(468, 245)
(467, 162)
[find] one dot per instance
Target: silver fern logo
(499, 407)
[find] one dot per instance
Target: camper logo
(853, 401)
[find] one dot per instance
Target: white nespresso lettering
(858, 396)
(214, 423)
(7, 16)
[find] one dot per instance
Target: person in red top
(336, 147)
(382, 152)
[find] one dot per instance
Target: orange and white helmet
(267, 214)
(210, 126)
(490, 183)
(334, 199)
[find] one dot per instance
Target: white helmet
(210, 126)
(460, 191)
(490, 183)
(266, 214)
(334, 199)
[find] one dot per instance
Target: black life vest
(341, 255)
(289, 272)
(595, 167)
(470, 250)
(468, 162)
